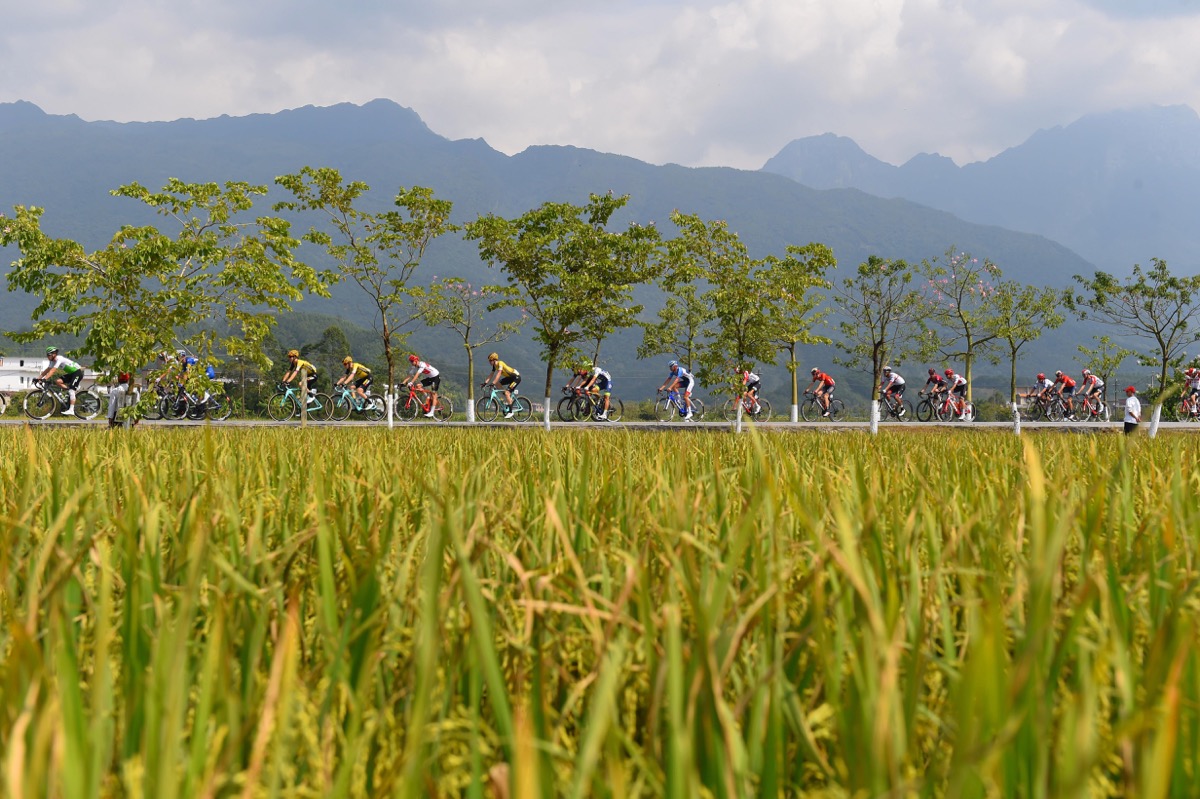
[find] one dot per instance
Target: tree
(217, 282)
(378, 251)
(794, 307)
(1150, 304)
(957, 295)
(1018, 315)
(1104, 359)
(882, 315)
(455, 304)
(328, 351)
(566, 264)
(682, 323)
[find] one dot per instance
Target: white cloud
(696, 83)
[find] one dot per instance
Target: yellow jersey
(505, 370)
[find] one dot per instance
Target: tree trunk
(552, 358)
(470, 409)
(1012, 377)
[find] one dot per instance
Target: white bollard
(1016, 419)
(874, 417)
(390, 399)
(470, 410)
(737, 425)
(795, 413)
(546, 413)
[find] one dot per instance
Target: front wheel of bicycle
(566, 409)
(39, 404)
(1183, 412)
(174, 407)
(1056, 412)
(664, 409)
(220, 408)
(522, 409)
(810, 410)
(281, 407)
(340, 410)
(924, 410)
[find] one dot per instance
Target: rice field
(425, 612)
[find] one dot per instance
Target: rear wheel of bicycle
(905, 411)
(87, 405)
(1056, 412)
(522, 409)
(39, 404)
(324, 409)
(487, 409)
(220, 407)
(945, 411)
(763, 414)
(969, 412)
(582, 410)
(444, 409)
(616, 409)
(281, 407)
(837, 409)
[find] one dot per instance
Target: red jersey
(824, 378)
(1068, 382)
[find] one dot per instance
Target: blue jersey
(683, 374)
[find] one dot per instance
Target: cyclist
(186, 362)
(751, 383)
(71, 375)
(1092, 386)
(357, 374)
(503, 375)
(956, 384)
(1042, 388)
(1067, 392)
(295, 365)
(430, 378)
(892, 386)
(1191, 377)
(683, 380)
(602, 380)
(824, 385)
(936, 384)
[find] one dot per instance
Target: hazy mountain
(1117, 188)
(68, 166)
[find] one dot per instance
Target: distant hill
(68, 166)
(1117, 188)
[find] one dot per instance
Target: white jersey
(1044, 384)
(894, 379)
(422, 368)
(1193, 380)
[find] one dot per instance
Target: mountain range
(1068, 199)
(1117, 188)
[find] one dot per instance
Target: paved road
(711, 426)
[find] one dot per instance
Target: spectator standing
(1133, 410)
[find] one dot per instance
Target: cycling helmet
(413, 359)
(887, 370)
(293, 353)
(347, 360)
(673, 365)
(1087, 372)
(932, 371)
(1058, 373)
(1041, 376)
(814, 370)
(180, 353)
(492, 356)
(949, 372)
(51, 350)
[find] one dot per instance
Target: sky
(666, 81)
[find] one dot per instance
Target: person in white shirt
(892, 387)
(430, 379)
(1133, 410)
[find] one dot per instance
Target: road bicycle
(673, 406)
(488, 407)
(345, 401)
(811, 408)
(1093, 409)
(730, 408)
(419, 402)
(1187, 409)
(50, 398)
(285, 404)
(187, 405)
(590, 405)
(896, 408)
(948, 409)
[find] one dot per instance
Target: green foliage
(215, 285)
(883, 315)
(1150, 304)
(1019, 314)
(378, 251)
(958, 292)
(574, 276)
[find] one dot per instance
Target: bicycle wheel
(153, 409)
(522, 409)
(87, 405)
(664, 409)
(583, 408)
(39, 404)
(487, 409)
(1056, 412)
(763, 414)
(924, 410)
(444, 409)
(906, 411)
(1032, 413)
(175, 407)
(810, 410)
(340, 410)
(409, 408)
(729, 409)
(282, 406)
(220, 408)
(376, 408)
(324, 410)
(837, 409)
(968, 414)
(616, 409)
(697, 409)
